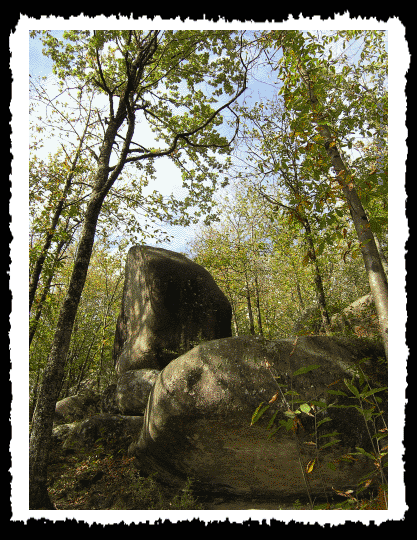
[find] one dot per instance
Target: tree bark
(300, 298)
(258, 307)
(384, 261)
(376, 276)
(249, 304)
(32, 404)
(34, 279)
(43, 417)
(42, 422)
(318, 282)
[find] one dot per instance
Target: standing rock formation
(169, 304)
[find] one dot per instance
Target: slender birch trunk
(376, 276)
(318, 282)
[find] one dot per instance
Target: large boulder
(197, 422)
(112, 432)
(133, 389)
(75, 408)
(62, 431)
(359, 318)
(169, 304)
(108, 400)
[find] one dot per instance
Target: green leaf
(367, 413)
(370, 392)
(352, 388)
(363, 452)
(259, 412)
(331, 443)
(336, 392)
(333, 434)
(305, 408)
(287, 424)
(327, 419)
(291, 393)
(320, 404)
(334, 406)
(271, 422)
(306, 369)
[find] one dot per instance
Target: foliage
(187, 73)
(368, 408)
(281, 140)
(90, 352)
(273, 252)
(280, 160)
(179, 75)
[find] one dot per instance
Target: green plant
(186, 500)
(365, 395)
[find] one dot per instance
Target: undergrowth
(96, 480)
(367, 403)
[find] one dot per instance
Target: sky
(168, 175)
(169, 178)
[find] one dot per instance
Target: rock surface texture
(76, 407)
(197, 422)
(133, 389)
(359, 318)
(169, 304)
(110, 431)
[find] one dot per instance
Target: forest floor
(96, 480)
(99, 481)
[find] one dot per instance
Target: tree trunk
(40, 439)
(32, 404)
(258, 307)
(318, 282)
(249, 304)
(300, 298)
(35, 320)
(297, 285)
(376, 276)
(384, 261)
(42, 423)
